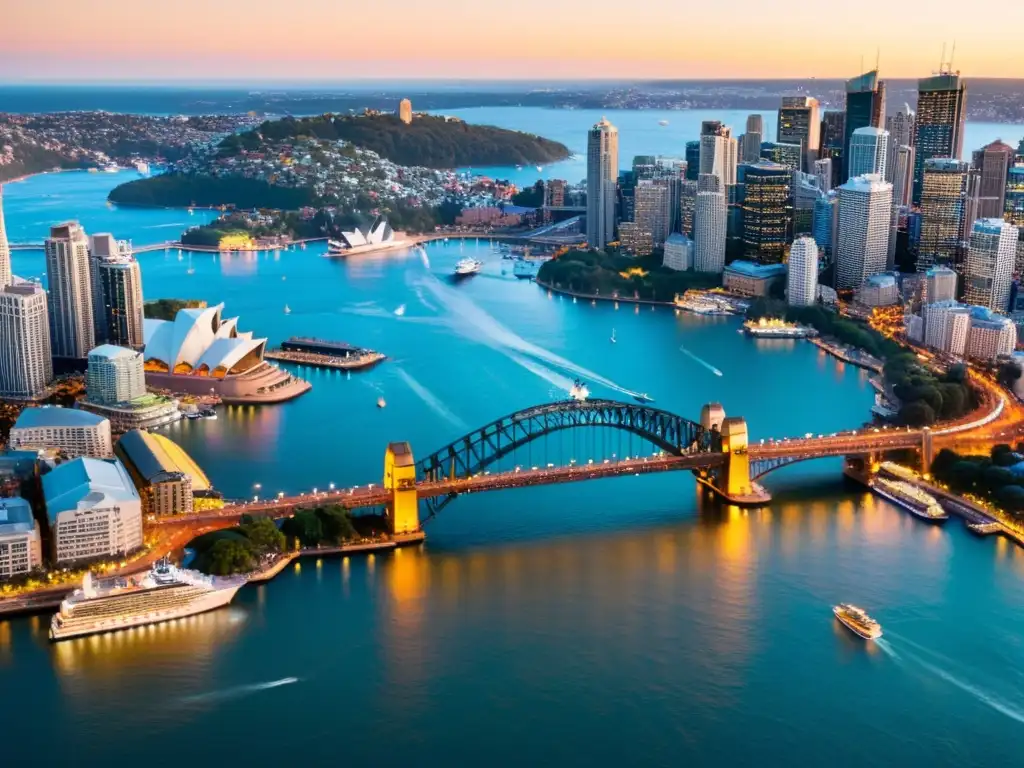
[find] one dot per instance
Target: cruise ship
(467, 267)
(165, 593)
(857, 621)
(911, 498)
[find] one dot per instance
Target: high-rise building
(709, 230)
(862, 243)
(868, 148)
(767, 211)
(802, 277)
(115, 375)
(946, 326)
(718, 152)
(901, 127)
(72, 331)
(5, 248)
(121, 290)
(900, 170)
(1013, 210)
(26, 367)
(865, 107)
(993, 163)
(800, 123)
(651, 214)
(755, 124)
(939, 285)
(750, 142)
(988, 268)
(789, 155)
(554, 193)
(805, 193)
(602, 175)
(990, 336)
(405, 111)
(692, 160)
(833, 129)
(943, 195)
(823, 172)
(687, 200)
(678, 252)
(825, 223)
(939, 123)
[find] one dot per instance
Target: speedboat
(643, 398)
(613, 336)
(467, 267)
(380, 402)
(287, 309)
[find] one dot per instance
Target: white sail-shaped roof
(197, 337)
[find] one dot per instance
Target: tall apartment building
(988, 268)
(946, 326)
(5, 248)
(26, 365)
(602, 178)
(862, 242)
(943, 199)
(802, 275)
(115, 375)
(939, 123)
(72, 326)
(718, 150)
(709, 231)
(652, 214)
(120, 282)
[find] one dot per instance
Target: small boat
(643, 397)
(663, 122)
(573, 299)
(579, 391)
(613, 336)
(540, 169)
(287, 309)
(193, 415)
(284, 277)
(467, 267)
(208, 413)
(400, 312)
(380, 402)
(857, 621)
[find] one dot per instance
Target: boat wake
(562, 383)
(432, 401)
(696, 359)
(237, 692)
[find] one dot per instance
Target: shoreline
(599, 297)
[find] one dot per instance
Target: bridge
(516, 451)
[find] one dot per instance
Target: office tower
(718, 152)
(805, 193)
(709, 226)
(405, 111)
(939, 285)
(939, 124)
(687, 200)
(802, 277)
(800, 123)
(121, 289)
(767, 211)
(750, 149)
(972, 202)
(988, 268)
(900, 171)
(26, 367)
(1013, 210)
(678, 252)
(993, 163)
(692, 160)
(651, 213)
(824, 224)
(868, 147)
(5, 248)
(115, 375)
(901, 127)
(788, 155)
(72, 331)
(644, 167)
(946, 325)
(865, 107)
(862, 244)
(709, 182)
(823, 172)
(602, 174)
(943, 193)
(833, 129)
(755, 124)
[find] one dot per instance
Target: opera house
(200, 353)
(378, 237)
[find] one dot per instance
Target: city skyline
(232, 39)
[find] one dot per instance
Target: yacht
(663, 122)
(380, 402)
(165, 593)
(579, 391)
(287, 309)
(857, 621)
(467, 267)
(208, 413)
(643, 397)
(400, 311)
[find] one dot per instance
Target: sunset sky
(329, 39)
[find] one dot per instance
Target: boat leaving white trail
(238, 691)
(696, 359)
(432, 401)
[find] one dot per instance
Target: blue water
(607, 622)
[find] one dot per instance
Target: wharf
(37, 604)
(849, 355)
(282, 562)
(349, 363)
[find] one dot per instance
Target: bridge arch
(473, 452)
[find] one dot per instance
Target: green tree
(305, 526)
(917, 414)
(263, 534)
(337, 524)
(1011, 497)
(229, 556)
(1008, 374)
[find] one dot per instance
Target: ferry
(324, 354)
(165, 593)
(579, 391)
(857, 621)
(911, 498)
(771, 328)
(467, 267)
(703, 305)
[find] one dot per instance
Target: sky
(257, 40)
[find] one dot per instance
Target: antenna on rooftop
(942, 60)
(878, 57)
(952, 56)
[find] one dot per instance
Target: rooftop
(869, 182)
(112, 352)
(15, 516)
(880, 281)
(151, 455)
(86, 480)
(753, 269)
(56, 416)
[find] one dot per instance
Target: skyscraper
(1014, 208)
(121, 291)
(804, 194)
(988, 269)
(799, 123)
(825, 223)
(718, 152)
(692, 160)
(900, 168)
(25, 362)
(865, 107)
(72, 331)
(901, 127)
(602, 175)
(993, 163)
(5, 248)
(750, 149)
(943, 194)
(709, 225)
(687, 201)
(115, 375)
(651, 213)
(823, 172)
(939, 285)
(868, 147)
(767, 211)
(939, 124)
(862, 243)
(802, 277)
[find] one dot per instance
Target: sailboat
(287, 309)
(613, 336)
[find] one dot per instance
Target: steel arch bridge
(477, 450)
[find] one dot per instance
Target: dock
(283, 561)
(349, 363)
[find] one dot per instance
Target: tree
(917, 414)
(229, 556)
(964, 475)
(305, 526)
(337, 524)
(995, 477)
(1011, 497)
(942, 464)
(263, 534)
(1008, 374)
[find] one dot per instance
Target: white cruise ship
(467, 267)
(165, 593)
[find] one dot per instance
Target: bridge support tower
(732, 482)
(400, 479)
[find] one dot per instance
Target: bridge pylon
(400, 479)
(733, 482)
